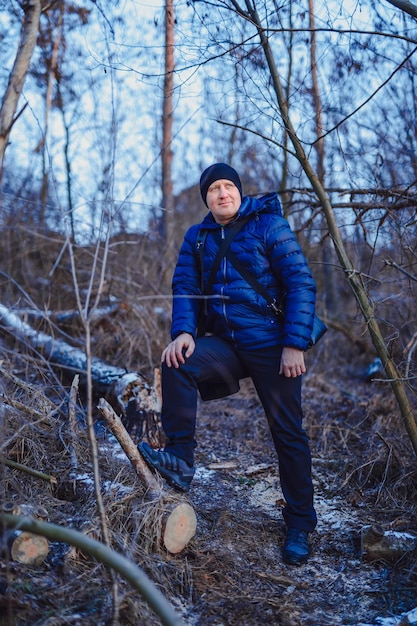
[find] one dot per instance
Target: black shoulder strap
(254, 283)
(224, 250)
(224, 244)
(319, 327)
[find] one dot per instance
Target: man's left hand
(292, 362)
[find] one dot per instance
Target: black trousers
(216, 362)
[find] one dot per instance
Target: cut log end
(27, 548)
(180, 527)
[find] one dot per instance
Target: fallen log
(114, 382)
(68, 357)
(386, 545)
(178, 520)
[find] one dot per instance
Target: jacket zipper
(223, 288)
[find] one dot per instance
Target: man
(244, 337)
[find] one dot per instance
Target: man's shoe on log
(296, 549)
(176, 472)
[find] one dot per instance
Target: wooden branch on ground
(28, 470)
(388, 545)
(119, 431)
(72, 426)
(179, 520)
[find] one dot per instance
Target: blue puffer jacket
(268, 248)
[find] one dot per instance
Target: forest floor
(231, 573)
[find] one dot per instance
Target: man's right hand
(174, 354)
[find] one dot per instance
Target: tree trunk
(330, 293)
(319, 143)
(29, 33)
(167, 120)
(167, 218)
(48, 107)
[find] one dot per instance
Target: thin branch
(72, 425)
(392, 263)
(408, 352)
(258, 134)
(365, 102)
(28, 470)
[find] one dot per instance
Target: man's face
(223, 199)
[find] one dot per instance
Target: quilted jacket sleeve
(186, 287)
(290, 266)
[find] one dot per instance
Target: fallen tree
(120, 386)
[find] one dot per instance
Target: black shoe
(296, 550)
(176, 471)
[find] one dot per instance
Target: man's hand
(292, 362)
(174, 354)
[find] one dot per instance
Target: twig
(28, 470)
(40, 417)
(72, 425)
(392, 263)
(409, 350)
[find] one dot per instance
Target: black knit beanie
(215, 172)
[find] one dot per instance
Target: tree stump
(388, 545)
(24, 546)
(179, 520)
(27, 548)
(179, 527)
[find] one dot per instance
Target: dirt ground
(231, 573)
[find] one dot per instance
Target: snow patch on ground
(203, 475)
(404, 618)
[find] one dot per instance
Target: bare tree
(52, 67)
(354, 277)
(29, 33)
(167, 124)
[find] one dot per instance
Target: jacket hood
(250, 206)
